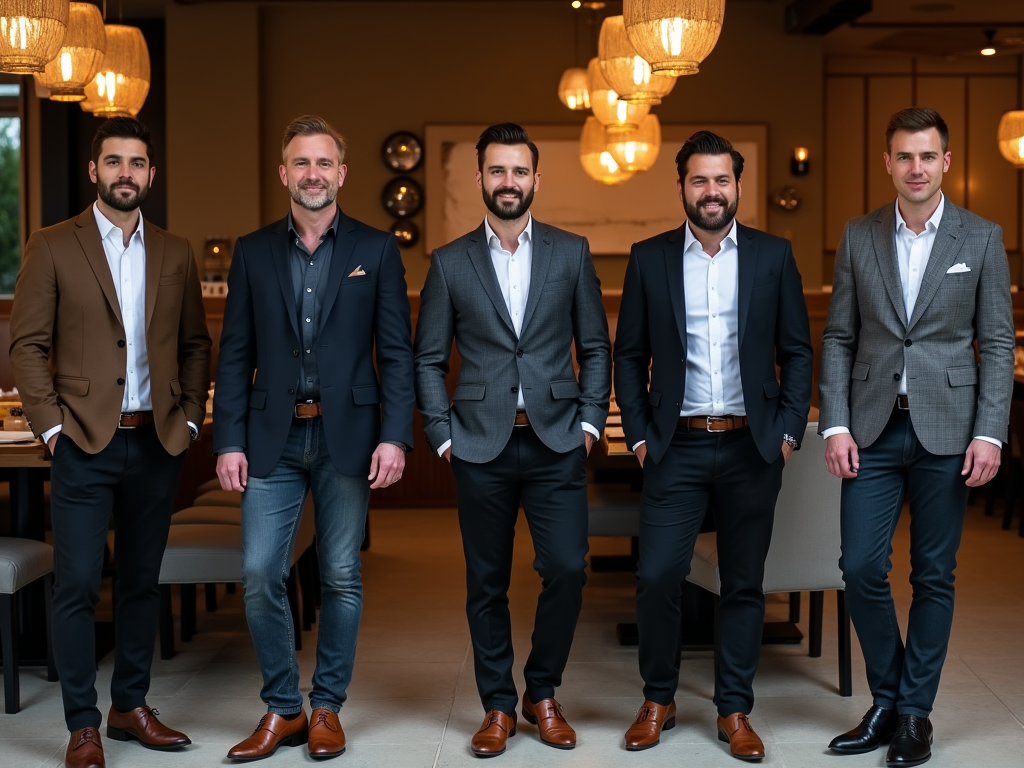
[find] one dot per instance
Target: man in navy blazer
(707, 312)
(313, 299)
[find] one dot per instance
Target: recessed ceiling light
(988, 51)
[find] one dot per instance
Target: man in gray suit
(906, 409)
(515, 295)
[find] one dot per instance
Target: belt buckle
(899, 405)
(295, 410)
(120, 425)
(714, 419)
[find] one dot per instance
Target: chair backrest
(804, 554)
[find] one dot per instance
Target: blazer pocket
(962, 375)
(258, 399)
(564, 390)
(172, 279)
(175, 388)
(860, 371)
(556, 285)
(766, 283)
(359, 280)
(654, 398)
(71, 385)
(771, 388)
(366, 394)
(469, 392)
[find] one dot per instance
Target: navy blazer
(258, 367)
(650, 341)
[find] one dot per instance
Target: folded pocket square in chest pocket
(957, 269)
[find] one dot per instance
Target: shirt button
(309, 290)
(715, 314)
(311, 263)
(308, 319)
(307, 351)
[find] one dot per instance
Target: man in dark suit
(311, 300)
(707, 312)
(515, 295)
(906, 409)
(112, 358)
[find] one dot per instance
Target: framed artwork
(611, 218)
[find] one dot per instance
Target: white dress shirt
(711, 291)
(513, 271)
(912, 254)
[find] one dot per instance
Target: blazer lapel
(89, 236)
(344, 244)
(279, 255)
(542, 252)
(480, 258)
(883, 234)
(674, 274)
(945, 249)
(746, 265)
(154, 245)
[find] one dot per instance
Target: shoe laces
(259, 726)
(87, 735)
(644, 713)
(492, 719)
(907, 727)
(322, 719)
(744, 723)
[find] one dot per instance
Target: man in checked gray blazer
(515, 295)
(906, 409)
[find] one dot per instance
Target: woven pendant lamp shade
(596, 159)
(1011, 137)
(122, 83)
(674, 35)
(31, 33)
(628, 73)
(615, 115)
(572, 88)
(80, 57)
(637, 150)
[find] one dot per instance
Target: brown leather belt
(902, 402)
(307, 410)
(712, 423)
(522, 420)
(136, 419)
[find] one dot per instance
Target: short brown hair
(508, 134)
(707, 143)
(311, 125)
(121, 128)
(915, 120)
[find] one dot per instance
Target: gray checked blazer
(868, 337)
(461, 300)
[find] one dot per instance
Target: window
(10, 186)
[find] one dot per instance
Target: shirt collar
(105, 226)
(526, 235)
(689, 239)
(933, 221)
(333, 228)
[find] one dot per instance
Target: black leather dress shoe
(877, 727)
(912, 744)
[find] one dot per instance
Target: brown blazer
(67, 338)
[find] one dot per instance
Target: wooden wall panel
(992, 182)
(886, 95)
(844, 157)
(946, 95)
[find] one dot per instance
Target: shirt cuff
(45, 437)
(637, 445)
(444, 447)
(591, 429)
(192, 425)
(229, 449)
(834, 431)
(989, 440)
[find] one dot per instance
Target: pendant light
(572, 88)
(627, 72)
(617, 116)
(637, 150)
(597, 161)
(674, 35)
(122, 83)
(80, 57)
(31, 33)
(1011, 137)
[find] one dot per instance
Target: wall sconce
(216, 258)
(787, 198)
(800, 165)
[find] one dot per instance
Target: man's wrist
(994, 441)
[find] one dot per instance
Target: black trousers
(552, 488)
(724, 470)
(134, 479)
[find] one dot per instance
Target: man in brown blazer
(112, 358)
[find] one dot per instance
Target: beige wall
(374, 68)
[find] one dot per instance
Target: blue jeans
(902, 677)
(271, 510)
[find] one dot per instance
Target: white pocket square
(956, 269)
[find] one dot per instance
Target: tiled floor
(413, 701)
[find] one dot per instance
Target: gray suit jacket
(868, 336)
(461, 300)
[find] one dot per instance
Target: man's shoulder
(265, 234)
(460, 244)
(759, 236)
(561, 236)
(656, 242)
(967, 218)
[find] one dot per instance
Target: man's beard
(313, 197)
(711, 224)
(508, 211)
(110, 195)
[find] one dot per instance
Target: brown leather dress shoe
(141, 724)
(490, 739)
(85, 750)
(546, 714)
(651, 720)
(272, 732)
(743, 742)
(326, 738)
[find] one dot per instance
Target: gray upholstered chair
(22, 561)
(805, 548)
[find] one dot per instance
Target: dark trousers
(134, 479)
(552, 488)
(724, 470)
(906, 678)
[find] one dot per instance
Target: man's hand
(386, 465)
(233, 471)
(981, 462)
(448, 454)
(841, 456)
(589, 439)
(787, 450)
(641, 454)
(52, 442)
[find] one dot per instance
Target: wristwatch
(790, 441)
(193, 433)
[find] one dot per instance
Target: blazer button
(120, 382)
(291, 391)
(295, 353)
(515, 390)
(120, 342)
(519, 353)
(907, 343)
(895, 377)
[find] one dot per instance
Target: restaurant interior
(804, 88)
